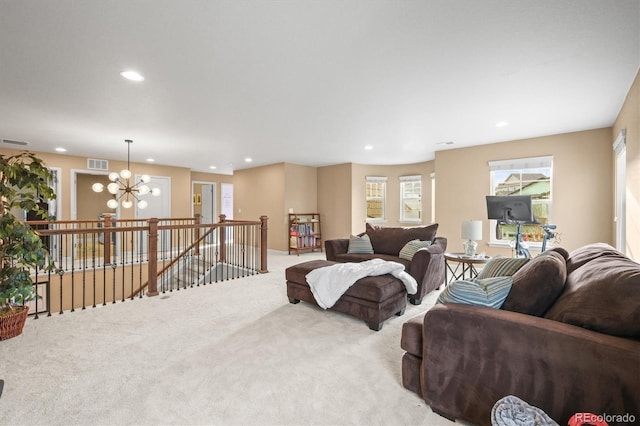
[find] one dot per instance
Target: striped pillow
(360, 245)
(502, 267)
(489, 292)
(412, 247)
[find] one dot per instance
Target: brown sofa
(580, 353)
(427, 265)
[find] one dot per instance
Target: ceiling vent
(10, 142)
(94, 164)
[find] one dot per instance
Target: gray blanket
(512, 411)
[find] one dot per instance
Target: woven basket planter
(11, 325)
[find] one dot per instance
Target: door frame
(74, 190)
(215, 196)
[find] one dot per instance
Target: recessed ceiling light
(150, 160)
(212, 167)
(368, 147)
(502, 123)
(132, 75)
(248, 160)
(445, 143)
(60, 149)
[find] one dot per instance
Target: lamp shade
(471, 230)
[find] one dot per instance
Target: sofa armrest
(427, 267)
(335, 247)
(473, 356)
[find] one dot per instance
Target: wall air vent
(10, 142)
(94, 164)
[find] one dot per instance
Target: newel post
(107, 239)
(223, 238)
(263, 244)
(197, 221)
(152, 287)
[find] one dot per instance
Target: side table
(464, 266)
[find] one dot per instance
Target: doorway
(204, 203)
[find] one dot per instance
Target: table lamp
(471, 231)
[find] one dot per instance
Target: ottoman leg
(375, 326)
(400, 312)
(294, 300)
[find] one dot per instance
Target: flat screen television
(509, 209)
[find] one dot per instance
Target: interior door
(208, 192)
(226, 195)
(160, 206)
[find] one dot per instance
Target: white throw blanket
(330, 282)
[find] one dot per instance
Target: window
(410, 198)
(620, 148)
(526, 176)
(376, 192)
(433, 197)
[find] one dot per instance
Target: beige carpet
(228, 353)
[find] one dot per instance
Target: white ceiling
(308, 82)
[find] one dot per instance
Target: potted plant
(24, 183)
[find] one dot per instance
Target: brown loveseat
(427, 265)
(580, 353)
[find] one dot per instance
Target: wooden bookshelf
(304, 232)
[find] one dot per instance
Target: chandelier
(120, 186)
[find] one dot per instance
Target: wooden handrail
(86, 231)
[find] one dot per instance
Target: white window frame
(404, 180)
(433, 197)
(520, 164)
(383, 198)
(620, 149)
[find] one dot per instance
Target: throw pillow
(360, 244)
(502, 267)
(390, 240)
(412, 247)
(537, 285)
(489, 292)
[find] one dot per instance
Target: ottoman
(372, 299)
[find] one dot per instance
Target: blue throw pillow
(360, 245)
(489, 292)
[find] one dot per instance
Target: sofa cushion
(537, 284)
(489, 292)
(585, 254)
(360, 244)
(376, 289)
(390, 240)
(412, 247)
(411, 336)
(502, 267)
(298, 273)
(601, 294)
